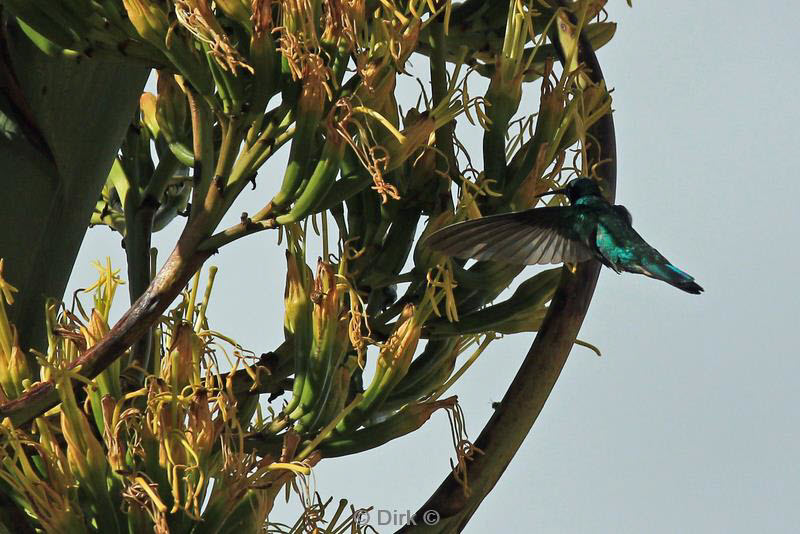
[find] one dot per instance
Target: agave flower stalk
(265, 61)
(392, 365)
(310, 107)
(405, 421)
(320, 181)
(522, 312)
(108, 382)
(172, 117)
(426, 374)
(505, 90)
(328, 348)
(298, 321)
(181, 367)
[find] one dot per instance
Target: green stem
(444, 135)
(203, 146)
(168, 164)
(139, 214)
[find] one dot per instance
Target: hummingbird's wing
(535, 236)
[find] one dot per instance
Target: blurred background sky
(689, 421)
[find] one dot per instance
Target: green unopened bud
(425, 182)
(162, 425)
(541, 149)
(149, 19)
(198, 18)
(266, 63)
(397, 352)
(108, 381)
(172, 109)
(427, 372)
(297, 321)
(151, 23)
(328, 347)
(297, 300)
(312, 96)
(310, 106)
(340, 389)
(147, 107)
(503, 96)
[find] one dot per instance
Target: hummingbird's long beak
(553, 192)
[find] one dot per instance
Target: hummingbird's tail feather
(665, 271)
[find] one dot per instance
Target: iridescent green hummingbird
(589, 227)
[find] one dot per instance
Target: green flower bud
(149, 19)
(147, 107)
(172, 109)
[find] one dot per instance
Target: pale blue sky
(689, 422)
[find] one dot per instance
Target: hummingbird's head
(582, 187)
(577, 189)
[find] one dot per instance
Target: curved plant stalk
(513, 419)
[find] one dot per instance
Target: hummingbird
(590, 227)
